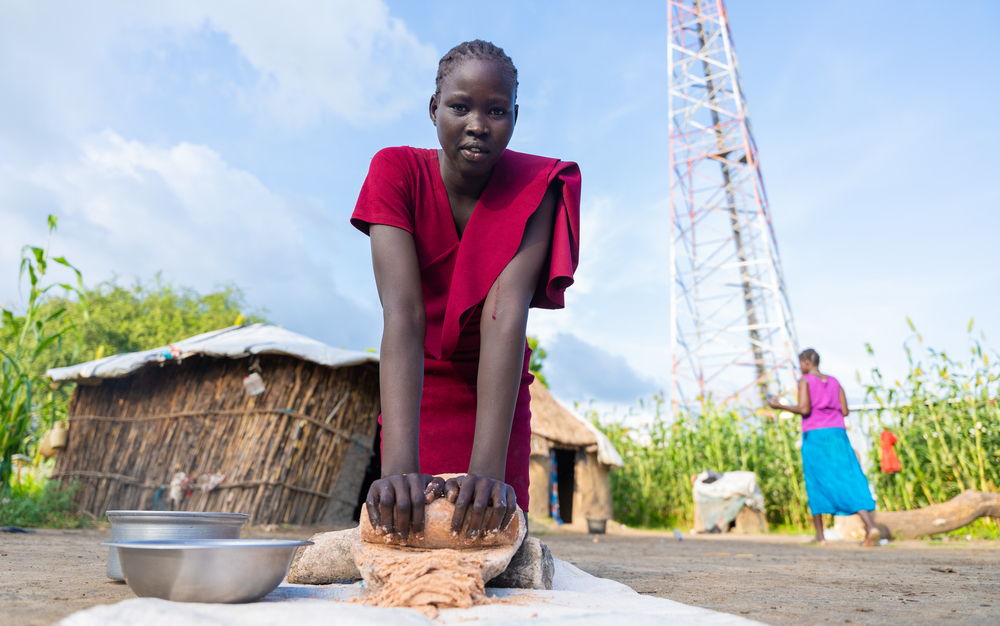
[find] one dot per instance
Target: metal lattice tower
(732, 337)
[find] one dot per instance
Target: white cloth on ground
(576, 598)
(728, 485)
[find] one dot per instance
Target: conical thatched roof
(562, 427)
(553, 421)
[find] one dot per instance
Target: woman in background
(835, 483)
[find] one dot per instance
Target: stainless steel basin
(205, 570)
(138, 525)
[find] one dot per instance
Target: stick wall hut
(253, 419)
(570, 463)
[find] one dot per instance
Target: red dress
(404, 189)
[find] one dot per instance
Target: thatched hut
(253, 419)
(570, 457)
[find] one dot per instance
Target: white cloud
(618, 304)
(606, 377)
(345, 58)
(132, 209)
(349, 58)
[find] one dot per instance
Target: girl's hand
(396, 503)
(482, 504)
(773, 403)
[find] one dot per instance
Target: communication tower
(732, 334)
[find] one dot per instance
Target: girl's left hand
(396, 503)
(482, 504)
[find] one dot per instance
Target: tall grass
(28, 404)
(654, 487)
(946, 417)
(945, 414)
(63, 322)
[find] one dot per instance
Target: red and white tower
(732, 335)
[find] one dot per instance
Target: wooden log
(960, 511)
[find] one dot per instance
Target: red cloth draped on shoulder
(404, 189)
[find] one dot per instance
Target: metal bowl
(205, 570)
(137, 525)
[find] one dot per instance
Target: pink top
(824, 400)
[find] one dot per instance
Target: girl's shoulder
(532, 160)
(402, 156)
(524, 167)
(822, 378)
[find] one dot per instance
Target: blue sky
(226, 142)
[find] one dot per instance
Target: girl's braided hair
(475, 49)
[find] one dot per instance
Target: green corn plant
(945, 416)
(654, 487)
(28, 404)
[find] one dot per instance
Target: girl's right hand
(395, 504)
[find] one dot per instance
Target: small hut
(253, 419)
(570, 463)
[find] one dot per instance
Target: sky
(225, 143)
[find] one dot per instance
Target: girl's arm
(803, 407)
(843, 403)
(401, 371)
(483, 501)
(395, 502)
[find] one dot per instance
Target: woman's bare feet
(872, 537)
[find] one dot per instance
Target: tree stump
(960, 511)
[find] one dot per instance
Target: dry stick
(149, 418)
(292, 472)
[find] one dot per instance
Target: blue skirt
(834, 480)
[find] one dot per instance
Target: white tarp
(730, 485)
(719, 498)
(576, 598)
(234, 342)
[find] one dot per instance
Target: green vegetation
(944, 413)
(654, 487)
(64, 322)
(112, 319)
(33, 500)
(947, 419)
(537, 360)
(28, 404)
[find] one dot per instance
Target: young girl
(835, 483)
(464, 240)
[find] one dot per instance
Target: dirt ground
(774, 579)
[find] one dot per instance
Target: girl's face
(474, 115)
